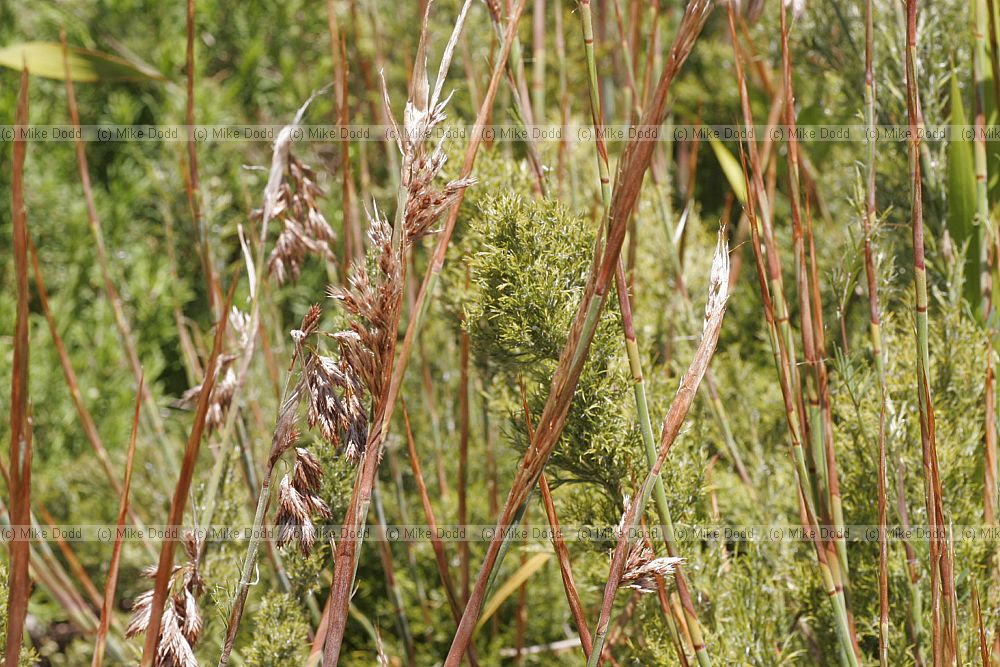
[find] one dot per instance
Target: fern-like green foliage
(280, 640)
(529, 273)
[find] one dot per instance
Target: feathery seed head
(305, 230)
(181, 622)
(641, 568)
(298, 502)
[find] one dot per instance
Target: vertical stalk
(463, 450)
(19, 479)
(631, 344)
(820, 420)
(521, 614)
(769, 278)
(562, 554)
(283, 425)
(714, 312)
(440, 557)
(193, 185)
(560, 39)
(633, 166)
(988, 258)
(538, 66)
(182, 489)
(96, 230)
(781, 347)
(943, 641)
(388, 569)
(595, 101)
(875, 334)
(112, 580)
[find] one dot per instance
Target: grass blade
(116, 553)
(521, 575)
(714, 311)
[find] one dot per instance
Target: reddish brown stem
(116, 553)
(183, 487)
(20, 426)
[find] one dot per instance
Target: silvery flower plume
(718, 283)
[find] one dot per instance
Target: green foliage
(28, 655)
(965, 232)
(529, 272)
(526, 259)
(280, 635)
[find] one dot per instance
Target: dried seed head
(305, 229)
(641, 568)
(141, 609)
(310, 322)
(383, 659)
(374, 302)
(627, 505)
(174, 649)
(366, 348)
(192, 623)
(292, 519)
(308, 473)
(222, 394)
(335, 407)
(190, 542)
(241, 325)
(426, 202)
(222, 397)
(181, 622)
(286, 443)
(718, 283)
(297, 503)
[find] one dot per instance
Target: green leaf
(731, 168)
(992, 105)
(962, 197)
(46, 59)
(522, 574)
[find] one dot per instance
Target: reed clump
(500, 319)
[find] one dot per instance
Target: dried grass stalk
(370, 346)
(150, 653)
(642, 563)
(634, 163)
(123, 507)
(20, 425)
